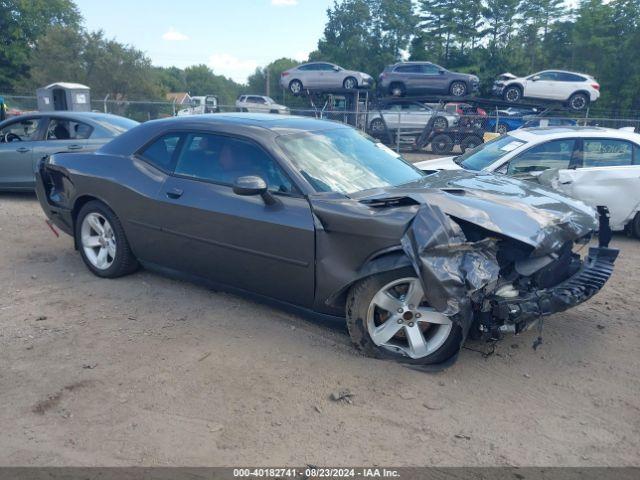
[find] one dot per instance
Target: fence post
(398, 132)
(173, 107)
(105, 103)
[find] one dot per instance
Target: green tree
(22, 23)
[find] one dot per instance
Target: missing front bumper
(585, 283)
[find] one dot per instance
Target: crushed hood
(506, 76)
(521, 210)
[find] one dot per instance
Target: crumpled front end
(494, 283)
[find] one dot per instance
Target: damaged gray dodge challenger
(316, 216)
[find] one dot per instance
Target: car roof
(85, 116)
(539, 134)
(252, 125)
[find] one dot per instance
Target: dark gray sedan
(27, 138)
(317, 217)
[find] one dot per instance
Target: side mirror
(253, 185)
(336, 69)
(442, 71)
(535, 78)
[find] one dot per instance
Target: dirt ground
(145, 370)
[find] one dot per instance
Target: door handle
(23, 150)
(175, 193)
(75, 146)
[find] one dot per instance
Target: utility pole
(266, 72)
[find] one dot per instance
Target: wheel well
(350, 76)
(80, 202)
(514, 85)
(396, 82)
(584, 92)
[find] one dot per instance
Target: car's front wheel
(388, 317)
(512, 94)
(350, 83)
(458, 89)
(102, 241)
(502, 128)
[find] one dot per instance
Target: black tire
(635, 226)
(578, 102)
(512, 94)
(441, 144)
(458, 89)
(377, 126)
(124, 261)
(245, 110)
(397, 89)
(472, 141)
(502, 128)
(350, 83)
(440, 123)
(295, 87)
(358, 301)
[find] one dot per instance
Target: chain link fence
(451, 127)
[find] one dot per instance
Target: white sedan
(599, 166)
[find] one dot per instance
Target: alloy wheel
(98, 241)
(399, 320)
(349, 83)
(458, 89)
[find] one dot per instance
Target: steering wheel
(10, 137)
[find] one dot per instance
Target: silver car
(25, 139)
(259, 104)
(323, 75)
(408, 115)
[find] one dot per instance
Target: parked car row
(576, 90)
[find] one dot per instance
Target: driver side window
(24, 130)
(554, 154)
(222, 159)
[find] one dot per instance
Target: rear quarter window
(161, 152)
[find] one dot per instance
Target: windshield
(486, 153)
(346, 161)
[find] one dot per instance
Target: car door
(17, 142)
(391, 114)
(555, 154)
(541, 85)
(432, 80)
(609, 175)
(416, 115)
(63, 135)
(326, 76)
(410, 76)
(232, 239)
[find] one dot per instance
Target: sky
(232, 37)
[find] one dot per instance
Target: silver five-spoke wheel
(98, 241)
(398, 319)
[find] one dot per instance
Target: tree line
(44, 41)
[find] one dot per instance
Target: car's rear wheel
(635, 225)
(458, 89)
(388, 317)
(295, 87)
(578, 101)
(440, 123)
(512, 94)
(350, 83)
(441, 144)
(397, 89)
(470, 142)
(102, 241)
(377, 126)
(502, 128)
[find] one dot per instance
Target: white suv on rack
(576, 89)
